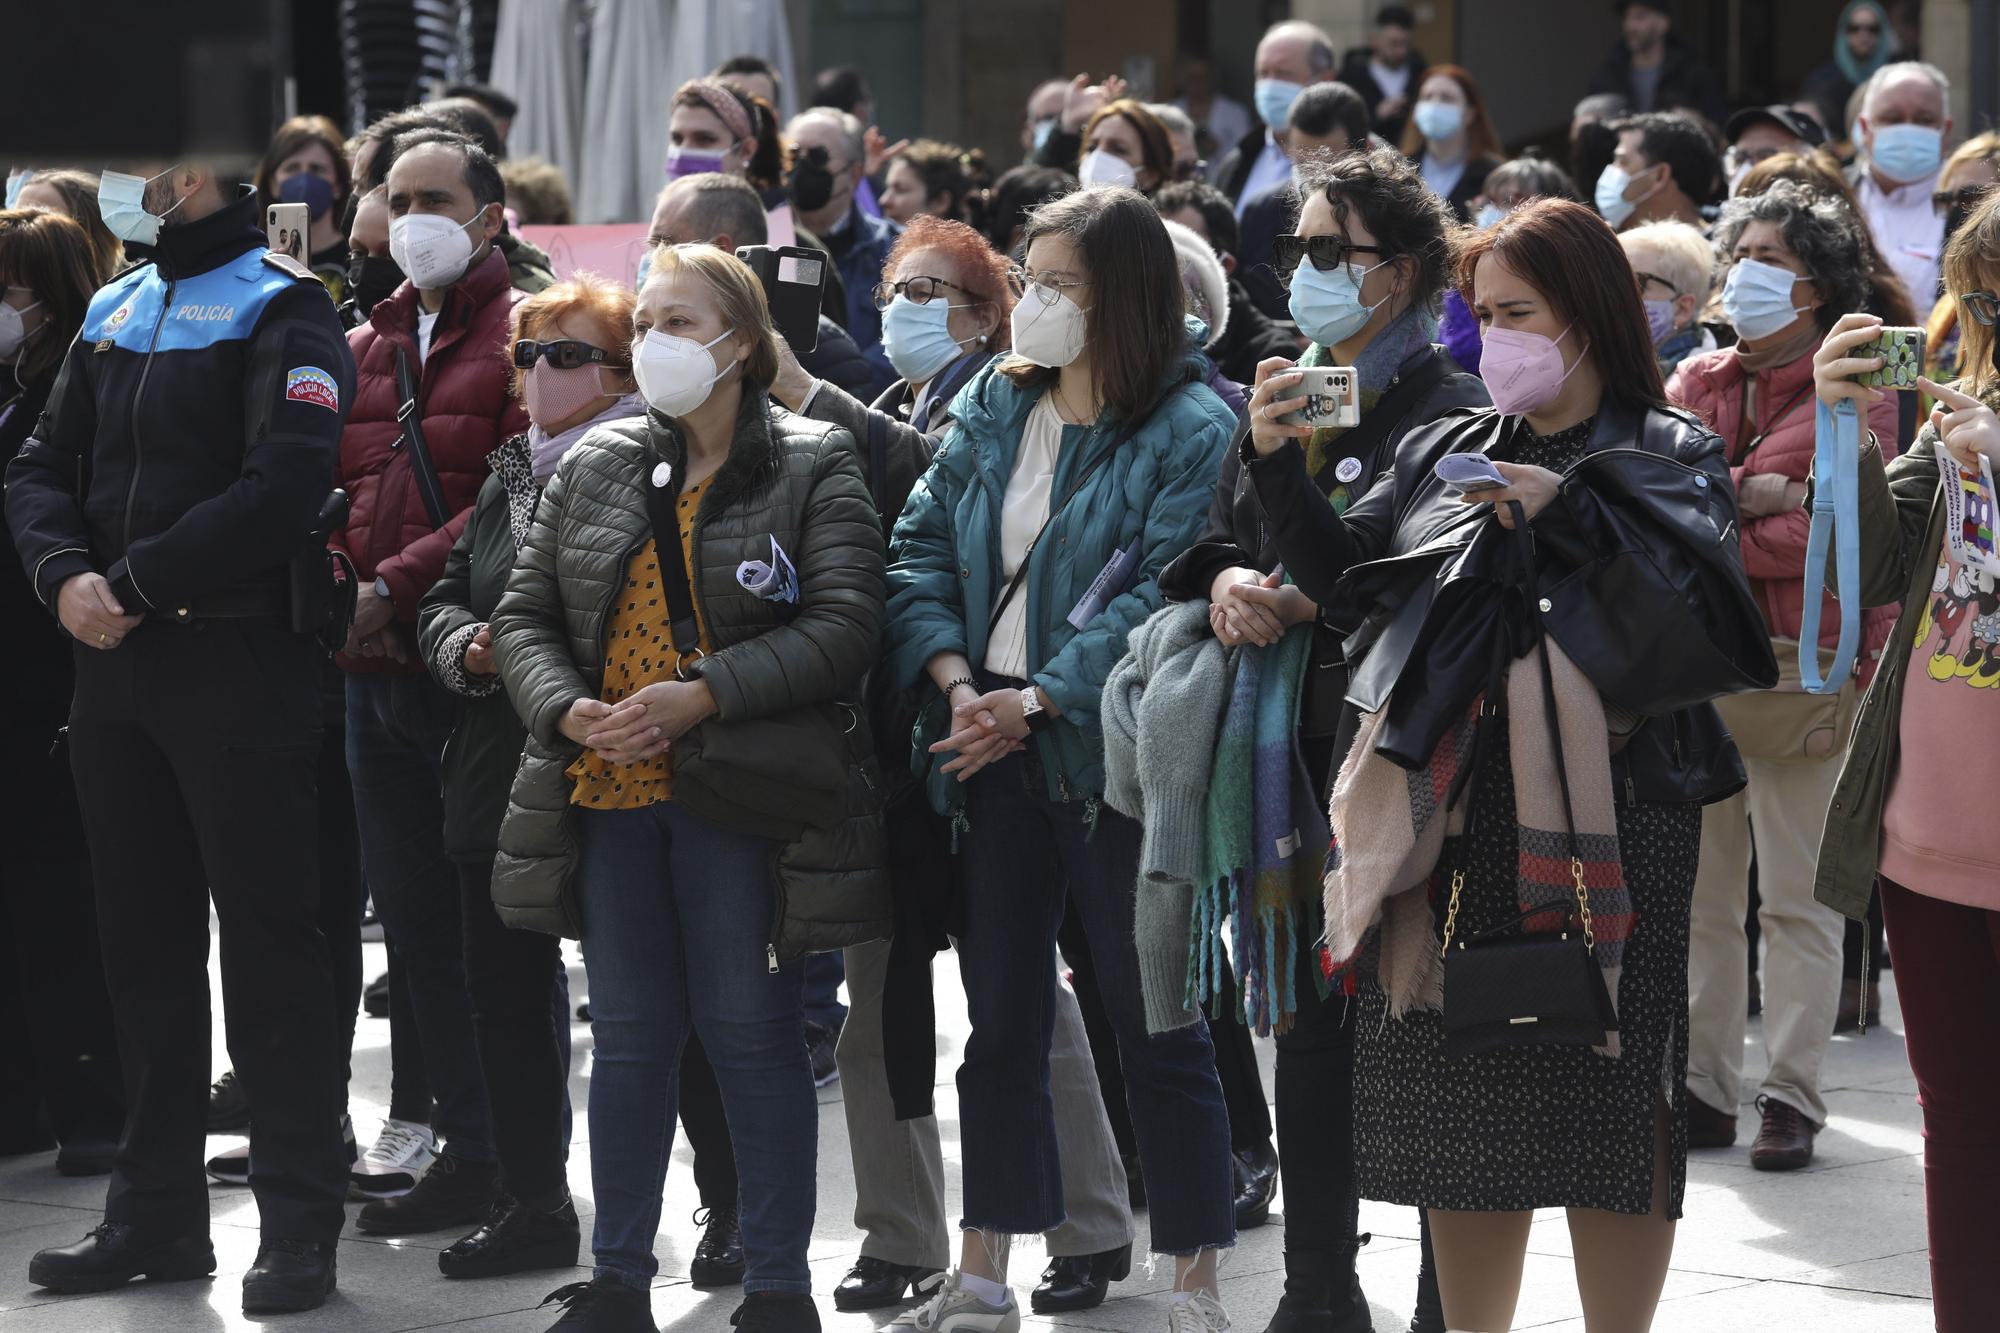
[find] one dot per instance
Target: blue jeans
(676, 921)
(396, 732)
(1021, 856)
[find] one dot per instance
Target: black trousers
(707, 1128)
(58, 1049)
(1315, 1078)
(1235, 1055)
(195, 749)
(510, 976)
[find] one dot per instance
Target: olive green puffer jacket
(787, 478)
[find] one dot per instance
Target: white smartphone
(285, 229)
(1468, 472)
(1332, 394)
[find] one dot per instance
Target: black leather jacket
(1638, 566)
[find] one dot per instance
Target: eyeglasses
(919, 289)
(1646, 279)
(1984, 307)
(562, 353)
(819, 157)
(1190, 171)
(1326, 252)
(1965, 196)
(1047, 290)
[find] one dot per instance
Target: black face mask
(370, 280)
(812, 185)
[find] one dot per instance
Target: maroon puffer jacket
(467, 408)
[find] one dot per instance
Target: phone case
(1902, 353)
(1331, 398)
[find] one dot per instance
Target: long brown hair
(1481, 140)
(50, 254)
(1567, 253)
(79, 194)
(1971, 264)
(1135, 328)
(1155, 143)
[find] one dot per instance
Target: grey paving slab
(1769, 1307)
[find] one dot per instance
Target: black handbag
(1510, 987)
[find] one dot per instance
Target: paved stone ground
(1838, 1247)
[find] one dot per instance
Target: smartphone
(1902, 353)
(794, 280)
(1468, 472)
(1332, 394)
(285, 229)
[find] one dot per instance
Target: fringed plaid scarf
(1384, 856)
(1263, 824)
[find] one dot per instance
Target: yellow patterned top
(639, 651)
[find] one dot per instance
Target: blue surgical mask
(1612, 205)
(1757, 299)
(1274, 98)
(917, 338)
(15, 184)
(1327, 306)
(1044, 127)
(1439, 120)
(121, 202)
(1907, 154)
(1487, 215)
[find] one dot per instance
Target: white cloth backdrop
(538, 60)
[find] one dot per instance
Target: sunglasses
(562, 353)
(1965, 196)
(1984, 307)
(1326, 252)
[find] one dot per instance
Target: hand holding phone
(794, 281)
(1902, 353)
(1333, 398)
(285, 229)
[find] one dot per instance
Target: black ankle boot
(1322, 1293)
(718, 1255)
(515, 1238)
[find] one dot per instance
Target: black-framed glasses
(1326, 252)
(1047, 290)
(1984, 307)
(1646, 279)
(919, 289)
(1966, 197)
(562, 353)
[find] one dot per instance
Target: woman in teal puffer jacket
(1076, 470)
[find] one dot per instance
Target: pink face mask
(1523, 371)
(554, 396)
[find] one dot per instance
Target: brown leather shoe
(1708, 1127)
(1785, 1143)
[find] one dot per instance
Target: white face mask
(1102, 168)
(432, 249)
(13, 329)
(674, 373)
(1048, 335)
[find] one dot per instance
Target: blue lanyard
(1836, 517)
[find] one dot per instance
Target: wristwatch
(1037, 717)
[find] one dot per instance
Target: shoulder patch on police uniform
(310, 384)
(290, 267)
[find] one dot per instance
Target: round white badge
(662, 474)
(1347, 469)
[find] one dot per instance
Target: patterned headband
(721, 99)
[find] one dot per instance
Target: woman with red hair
(1451, 138)
(1520, 673)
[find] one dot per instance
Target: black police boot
(718, 1256)
(603, 1305)
(1322, 1293)
(113, 1254)
(228, 1105)
(451, 1193)
(515, 1238)
(874, 1283)
(289, 1275)
(776, 1312)
(1079, 1281)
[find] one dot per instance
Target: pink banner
(612, 250)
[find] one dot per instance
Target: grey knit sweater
(1162, 708)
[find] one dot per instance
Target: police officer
(186, 450)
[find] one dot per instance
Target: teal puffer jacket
(944, 558)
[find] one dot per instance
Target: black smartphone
(794, 280)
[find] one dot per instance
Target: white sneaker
(954, 1310)
(231, 1166)
(394, 1162)
(1203, 1314)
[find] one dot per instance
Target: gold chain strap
(1451, 913)
(1582, 902)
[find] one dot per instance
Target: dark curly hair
(1828, 237)
(1386, 192)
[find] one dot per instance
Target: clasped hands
(644, 724)
(985, 727)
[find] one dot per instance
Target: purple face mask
(687, 162)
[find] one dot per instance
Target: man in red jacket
(438, 343)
